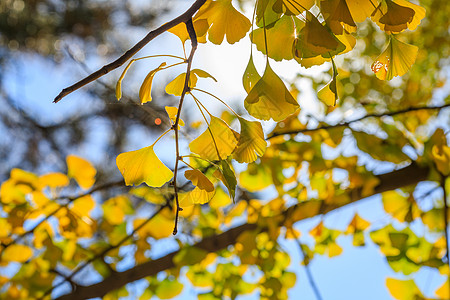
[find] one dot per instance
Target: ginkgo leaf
(224, 20)
(328, 94)
(251, 75)
(279, 37)
(160, 226)
(218, 139)
(270, 99)
(143, 166)
(176, 86)
(83, 206)
(344, 14)
(81, 170)
(145, 92)
(356, 227)
(292, 8)
(251, 142)
(403, 289)
(201, 27)
(196, 196)
(396, 60)
(199, 180)
(17, 253)
(265, 15)
(444, 291)
(54, 180)
(394, 16)
(315, 39)
(172, 112)
(228, 178)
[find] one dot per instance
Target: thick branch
(187, 15)
(345, 124)
(390, 181)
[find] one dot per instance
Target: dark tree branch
(390, 181)
(345, 124)
(185, 17)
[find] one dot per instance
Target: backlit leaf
(81, 170)
(251, 75)
(394, 16)
(175, 87)
(143, 166)
(292, 8)
(172, 112)
(228, 178)
(199, 180)
(217, 139)
(145, 92)
(328, 94)
(270, 99)
(403, 208)
(201, 27)
(396, 59)
(251, 142)
(54, 180)
(224, 20)
(82, 206)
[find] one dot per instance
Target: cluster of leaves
(56, 230)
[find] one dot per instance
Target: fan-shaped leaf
(251, 142)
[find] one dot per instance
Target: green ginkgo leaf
(251, 75)
(270, 99)
(251, 142)
(143, 166)
(228, 178)
(315, 39)
(280, 38)
(217, 142)
(328, 94)
(145, 92)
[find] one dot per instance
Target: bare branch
(187, 15)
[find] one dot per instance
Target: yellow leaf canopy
(217, 142)
(224, 20)
(394, 16)
(143, 166)
(396, 59)
(269, 98)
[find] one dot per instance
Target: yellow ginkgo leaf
(176, 86)
(441, 157)
(270, 99)
(315, 39)
(403, 289)
(199, 180)
(224, 20)
(196, 196)
(251, 142)
(394, 16)
(83, 206)
(292, 8)
(396, 59)
(17, 253)
(54, 180)
(328, 94)
(279, 37)
(172, 112)
(81, 170)
(218, 139)
(443, 292)
(160, 226)
(251, 75)
(343, 14)
(201, 27)
(145, 92)
(401, 207)
(143, 166)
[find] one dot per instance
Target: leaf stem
(214, 96)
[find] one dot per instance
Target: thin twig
(345, 124)
(186, 88)
(307, 269)
(185, 17)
